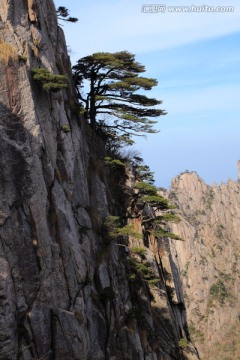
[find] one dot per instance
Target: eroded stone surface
(208, 261)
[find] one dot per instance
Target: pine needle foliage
(112, 229)
(156, 221)
(49, 81)
(114, 163)
(148, 193)
(113, 101)
(63, 14)
(146, 188)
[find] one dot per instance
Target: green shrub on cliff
(114, 163)
(49, 81)
(183, 343)
(112, 229)
(218, 291)
(154, 210)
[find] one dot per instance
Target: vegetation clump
(114, 163)
(65, 128)
(183, 343)
(141, 268)
(22, 58)
(153, 282)
(139, 251)
(148, 193)
(195, 334)
(112, 229)
(165, 233)
(49, 81)
(7, 52)
(63, 14)
(142, 172)
(218, 291)
(145, 188)
(155, 221)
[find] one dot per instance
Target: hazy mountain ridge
(208, 261)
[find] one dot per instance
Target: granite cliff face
(65, 293)
(208, 261)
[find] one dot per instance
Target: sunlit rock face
(65, 293)
(208, 261)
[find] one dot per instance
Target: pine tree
(113, 102)
(63, 14)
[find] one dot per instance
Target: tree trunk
(92, 111)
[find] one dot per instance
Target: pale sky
(195, 56)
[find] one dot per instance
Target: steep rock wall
(64, 293)
(208, 261)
